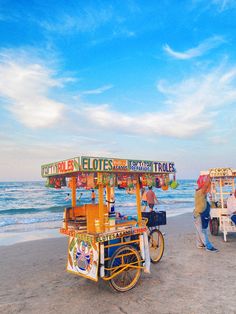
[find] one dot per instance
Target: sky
(152, 80)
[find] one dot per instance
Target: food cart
(103, 243)
(222, 186)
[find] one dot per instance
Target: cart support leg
(225, 233)
(138, 198)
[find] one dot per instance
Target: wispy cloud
(197, 51)
(86, 19)
(99, 90)
(103, 23)
(192, 106)
(223, 5)
(25, 89)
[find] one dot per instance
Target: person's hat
(202, 180)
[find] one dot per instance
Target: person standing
(143, 199)
(93, 197)
(151, 198)
(231, 207)
(80, 195)
(67, 198)
(200, 213)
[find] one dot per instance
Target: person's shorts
(151, 206)
(144, 203)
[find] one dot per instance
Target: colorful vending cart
(222, 186)
(103, 243)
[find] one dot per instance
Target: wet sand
(187, 280)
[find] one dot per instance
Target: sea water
(31, 207)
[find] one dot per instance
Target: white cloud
(99, 90)
(24, 87)
(198, 51)
(192, 106)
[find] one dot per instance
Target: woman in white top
(231, 206)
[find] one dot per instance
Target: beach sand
(187, 280)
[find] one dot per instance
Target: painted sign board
(221, 172)
(104, 164)
(83, 258)
(96, 164)
(60, 167)
(140, 165)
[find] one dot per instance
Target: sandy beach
(187, 280)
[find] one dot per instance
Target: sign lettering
(96, 164)
(61, 167)
(140, 165)
(120, 164)
(163, 167)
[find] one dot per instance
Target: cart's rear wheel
(156, 245)
(127, 277)
(214, 226)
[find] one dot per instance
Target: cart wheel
(128, 277)
(156, 245)
(214, 226)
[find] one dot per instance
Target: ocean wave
(32, 210)
(30, 203)
(29, 220)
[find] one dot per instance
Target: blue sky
(134, 79)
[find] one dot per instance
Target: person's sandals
(201, 246)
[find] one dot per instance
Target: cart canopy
(219, 172)
(73, 166)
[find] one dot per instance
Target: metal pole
(73, 194)
(138, 199)
(100, 202)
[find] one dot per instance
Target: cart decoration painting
(83, 258)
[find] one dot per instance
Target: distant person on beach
(201, 215)
(67, 198)
(80, 195)
(112, 203)
(130, 191)
(144, 198)
(151, 198)
(93, 197)
(231, 207)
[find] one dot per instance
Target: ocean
(31, 207)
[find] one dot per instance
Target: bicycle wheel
(156, 245)
(126, 277)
